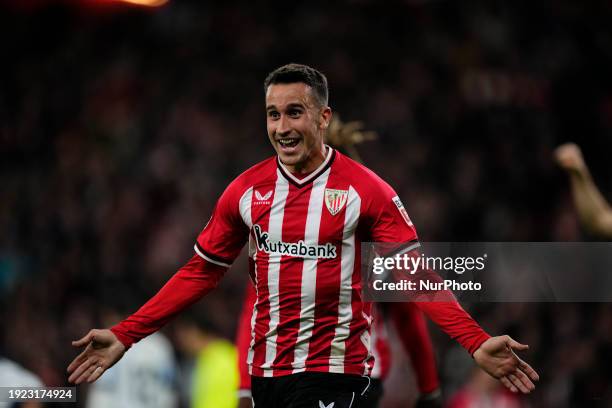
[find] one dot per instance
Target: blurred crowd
(120, 127)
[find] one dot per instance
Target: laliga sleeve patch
(402, 210)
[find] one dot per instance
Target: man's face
(296, 125)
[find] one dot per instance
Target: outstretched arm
(593, 209)
(106, 347)
(495, 355)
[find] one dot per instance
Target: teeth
(287, 142)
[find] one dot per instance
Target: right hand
(569, 158)
(102, 352)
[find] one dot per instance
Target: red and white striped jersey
(304, 241)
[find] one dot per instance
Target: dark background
(120, 126)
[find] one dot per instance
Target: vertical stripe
(275, 232)
(290, 282)
(309, 273)
(261, 310)
(245, 207)
(345, 313)
(368, 361)
(377, 327)
(251, 352)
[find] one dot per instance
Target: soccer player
(304, 213)
(407, 319)
(593, 209)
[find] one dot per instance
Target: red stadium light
(144, 3)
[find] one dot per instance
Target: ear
(325, 117)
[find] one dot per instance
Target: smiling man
(304, 213)
(297, 116)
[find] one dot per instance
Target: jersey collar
(331, 154)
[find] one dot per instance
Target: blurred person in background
(406, 318)
(145, 378)
(210, 370)
(291, 355)
(482, 391)
(593, 209)
(14, 375)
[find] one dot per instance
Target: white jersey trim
(312, 175)
(345, 307)
(275, 231)
(207, 258)
(245, 207)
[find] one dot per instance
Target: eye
(294, 113)
(273, 114)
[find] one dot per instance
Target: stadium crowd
(119, 128)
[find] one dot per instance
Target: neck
(312, 163)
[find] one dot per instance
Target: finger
(508, 384)
(80, 370)
(84, 340)
(515, 345)
(85, 375)
(518, 383)
(78, 360)
(98, 371)
(526, 368)
(522, 377)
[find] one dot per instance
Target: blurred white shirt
(14, 375)
(144, 378)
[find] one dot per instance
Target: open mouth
(288, 142)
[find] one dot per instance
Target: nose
(284, 126)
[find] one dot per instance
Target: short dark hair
(292, 73)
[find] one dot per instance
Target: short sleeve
(225, 233)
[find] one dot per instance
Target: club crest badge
(335, 200)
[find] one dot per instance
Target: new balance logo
(262, 199)
(298, 249)
(322, 405)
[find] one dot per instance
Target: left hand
(496, 356)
